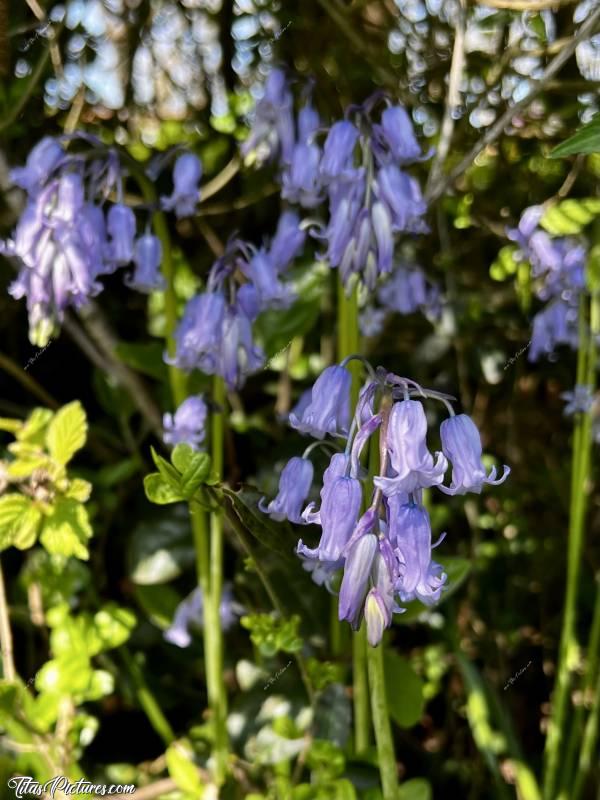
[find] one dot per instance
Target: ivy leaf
(403, 689)
(570, 216)
(67, 529)
(585, 140)
(159, 491)
(67, 432)
(13, 508)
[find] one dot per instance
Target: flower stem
(381, 723)
(360, 690)
(582, 445)
(6, 645)
(147, 700)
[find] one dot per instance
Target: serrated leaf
(79, 490)
(28, 528)
(13, 508)
(276, 536)
(570, 216)
(404, 690)
(23, 468)
(159, 491)
(585, 140)
(67, 432)
(34, 427)
(67, 529)
(183, 770)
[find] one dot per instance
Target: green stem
(381, 723)
(147, 700)
(593, 655)
(590, 738)
(360, 691)
(213, 627)
(568, 649)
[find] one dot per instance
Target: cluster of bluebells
(71, 232)
(558, 265)
(408, 290)
(215, 333)
(356, 167)
(380, 539)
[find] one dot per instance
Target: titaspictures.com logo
(60, 786)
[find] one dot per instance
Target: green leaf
(415, 789)
(404, 690)
(570, 216)
(10, 425)
(34, 427)
(146, 357)
(195, 473)
(67, 529)
(13, 508)
(79, 490)
(183, 770)
(159, 491)
(585, 140)
(67, 432)
(277, 536)
(29, 526)
(169, 473)
(113, 625)
(158, 603)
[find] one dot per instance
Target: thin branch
(215, 185)
(24, 98)
(6, 643)
(55, 57)
(585, 31)
(453, 100)
(237, 205)
(27, 381)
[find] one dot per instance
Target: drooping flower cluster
(381, 540)
(187, 424)
(69, 234)
(407, 291)
(215, 332)
(358, 170)
(558, 265)
(189, 614)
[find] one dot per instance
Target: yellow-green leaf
(183, 770)
(67, 432)
(13, 509)
(28, 528)
(67, 529)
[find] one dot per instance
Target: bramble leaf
(67, 432)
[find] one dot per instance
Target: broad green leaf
(277, 536)
(28, 528)
(34, 427)
(168, 472)
(585, 140)
(570, 216)
(404, 690)
(67, 432)
(159, 491)
(13, 508)
(195, 475)
(183, 770)
(67, 529)
(24, 467)
(79, 490)
(415, 789)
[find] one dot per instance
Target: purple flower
(187, 173)
(379, 605)
(190, 613)
(239, 356)
(579, 401)
(355, 582)
(188, 423)
(300, 178)
(294, 485)
(461, 444)
(420, 578)
(407, 291)
(371, 321)
(411, 464)
(199, 334)
(147, 258)
(402, 195)
(338, 152)
(120, 223)
(553, 325)
(272, 131)
(262, 271)
(341, 498)
(288, 240)
(398, 134)
(329, 407)
(42, 160)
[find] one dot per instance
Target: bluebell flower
(403, 197)
(294, 485)
(380, 603)
(188, 424)
(262, 271)
(300, 178)
(199, 333)
(408, 290)
(147, 258)
(120, 224)
(419, 577)
(411, 464)
(41, 161)
(272, 130)
(338, 152)
(357, 571)
(371, 321)
(578, 401)
(288, 240)
(554, 325)
(397, 132)
(329, 408)
(190, 614)
(461, 443)
(187, 174)
(239, 355)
